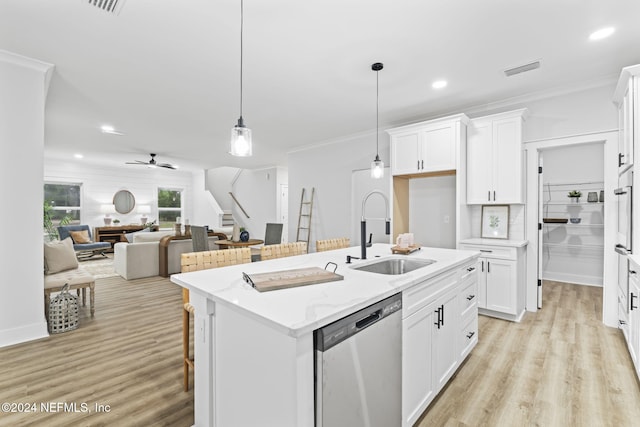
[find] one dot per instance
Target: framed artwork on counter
(495, 222)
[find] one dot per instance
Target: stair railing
(238, 203)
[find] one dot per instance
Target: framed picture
(495, 222)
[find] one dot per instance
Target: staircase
(227, 219)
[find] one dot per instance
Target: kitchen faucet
(363, 222)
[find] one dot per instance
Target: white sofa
(141, 258)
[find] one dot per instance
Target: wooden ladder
(305, 226)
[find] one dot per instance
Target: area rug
(100, 267)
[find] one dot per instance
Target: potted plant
(116, 221)
(47, 221)
(575, 195)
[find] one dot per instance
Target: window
(169, 207)
(62, 201)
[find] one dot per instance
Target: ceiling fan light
(377, 168)
(240, 145)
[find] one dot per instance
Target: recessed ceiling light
(78, 156)
(110, 129)
(439, 84)
(602, 33)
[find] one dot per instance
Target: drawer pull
(470, 297)
(486, 250)
(470, 335)
(470, 269)
(622, 322)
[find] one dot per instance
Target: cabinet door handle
(488, 267)
(470, 297)
(439, 317)
(470, 334)
(422, 162)
(494, 195)
(442, 315)
(482, 266)
(620, 162)
(632, 272)
(489, 195)
(632, 297)
(418, 165)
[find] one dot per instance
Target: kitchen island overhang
(255, 349)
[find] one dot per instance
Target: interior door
(540, 226)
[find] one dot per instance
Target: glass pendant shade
(377, 168)
(240, 140)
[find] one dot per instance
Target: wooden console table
(226, 244)
(114, 234)
(164, 249)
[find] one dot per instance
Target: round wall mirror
(124, 201)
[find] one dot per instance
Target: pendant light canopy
(377, 166)
(240, 134)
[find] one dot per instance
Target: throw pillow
(59, 256)
(80, 237)
(130, 236)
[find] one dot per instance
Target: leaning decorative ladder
(304, 218)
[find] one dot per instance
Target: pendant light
(240, 134)
(377, 166)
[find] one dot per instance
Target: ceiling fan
(152, 163)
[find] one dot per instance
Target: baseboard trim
(22, 334)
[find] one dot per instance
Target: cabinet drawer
(423, 293)
(468, 337)
(469, 270)
(468, 297)
(486, 251)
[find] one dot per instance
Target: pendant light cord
(377, 112)
(241, 49)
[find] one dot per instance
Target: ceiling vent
(522, 68)
(112, 6)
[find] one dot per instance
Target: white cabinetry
(502, 280)
(426, 147)
(439, 329)
(626, 98)
(633, 331)
(494, 159)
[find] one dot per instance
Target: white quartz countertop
(300, 310)
(495, 242)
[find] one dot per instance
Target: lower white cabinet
(501, 278)
(439, 329)
(633, 335)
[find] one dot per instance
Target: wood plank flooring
(559, 367)
(129, 357)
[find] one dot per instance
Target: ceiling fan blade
(166, 165)
(136, 162)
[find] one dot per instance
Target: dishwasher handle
(369, 320)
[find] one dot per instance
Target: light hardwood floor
(129, 357)
(559, 367)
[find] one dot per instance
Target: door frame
(610, 279)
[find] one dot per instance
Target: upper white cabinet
(431, 146)
(626, 98)
(494, 159)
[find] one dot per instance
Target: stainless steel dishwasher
(358, 368)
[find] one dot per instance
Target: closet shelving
(589, 233)
(572, 252)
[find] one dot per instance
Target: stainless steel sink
(395, 266)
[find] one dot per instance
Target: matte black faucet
(363, 222)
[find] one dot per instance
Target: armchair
(84, 246)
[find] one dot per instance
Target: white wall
(23, 85)
(219, 182)
(258, 192)
(329, 169)
(99, 184)
(432, 211)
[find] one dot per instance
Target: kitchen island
(254, 351)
